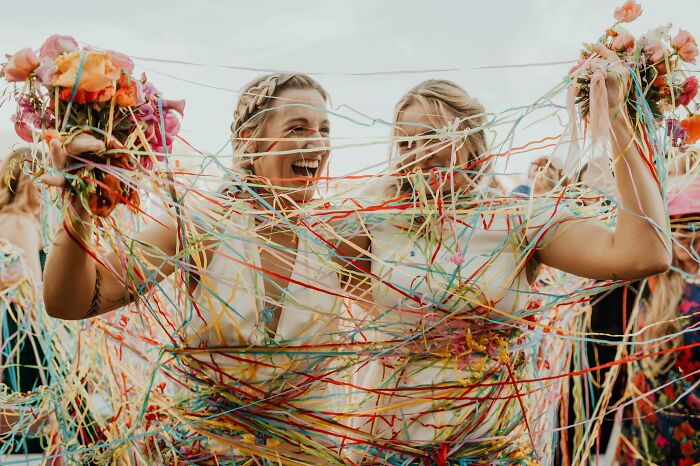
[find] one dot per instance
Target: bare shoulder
(18, 227)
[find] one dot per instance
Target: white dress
(450, 313)
(268, 394)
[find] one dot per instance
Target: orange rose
(97, 74)
(692, 127)
(82, 96)
(127, 94)
(103, 202)
(121, 160)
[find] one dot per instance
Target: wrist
(620, 122)
(77, 220)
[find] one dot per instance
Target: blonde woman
(22, 367)
(662, 426)
(451, 264)
(260, 287)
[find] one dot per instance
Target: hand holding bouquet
(110, 122)
(655, 60)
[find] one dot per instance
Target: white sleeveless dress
(266, 396)
(450, 314)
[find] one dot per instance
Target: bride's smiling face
(294, 149)
(422, 147)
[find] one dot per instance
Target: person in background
(661, 425)
(609, 316)
(543, 175)
(21, 355)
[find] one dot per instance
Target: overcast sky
(336, 39)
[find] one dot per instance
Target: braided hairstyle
(255, 99)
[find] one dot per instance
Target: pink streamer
(598, 116)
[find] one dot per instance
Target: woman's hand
(80, 144)
(616, 81)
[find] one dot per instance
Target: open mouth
(306, 168)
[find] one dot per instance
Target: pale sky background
(335, 39)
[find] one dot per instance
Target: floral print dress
(663, 427)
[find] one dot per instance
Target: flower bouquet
(64, 91)
(658, 84)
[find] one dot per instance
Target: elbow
(652, 264)
(52, 308)
(56, 307)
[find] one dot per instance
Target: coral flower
(127, 94)
(655, 51)
(82, 96)
(628, 12)
(692, 126)
(50, 135)
(98, 72)
(21, 65)
(623, 41)
(685, 44)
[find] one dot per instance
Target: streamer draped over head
(447, 110)
(280, 133)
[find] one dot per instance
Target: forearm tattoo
(96, 296)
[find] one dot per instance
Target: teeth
(306, 163)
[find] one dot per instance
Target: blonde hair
(17, 192)
(256, 97)
(444, 100)
(661, 313)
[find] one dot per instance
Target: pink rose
(690, 90)
(685, 45)
(655, 51)
(623, 41)
(628, 12)
(45, 71)
(121, 62)
(21, 65)
(57, 45)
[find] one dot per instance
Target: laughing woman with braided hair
(258, 287)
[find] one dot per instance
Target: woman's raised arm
(639, 246)
(76, 286)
